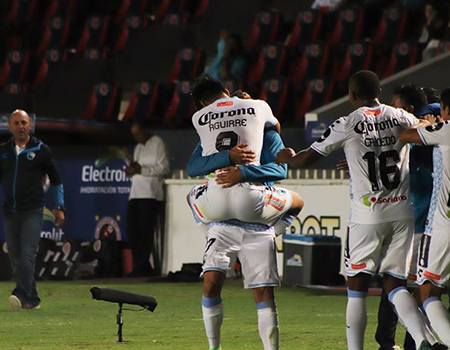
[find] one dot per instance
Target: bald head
(364, 87)
(20, 126)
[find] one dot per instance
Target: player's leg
(259, 269)
(287, 219)
(387, 323)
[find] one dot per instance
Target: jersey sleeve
(407, 119)
(269, 118)
(332, 139)
(436, 134)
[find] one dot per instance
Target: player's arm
(298, 160)
(436, 134)
(411, 135)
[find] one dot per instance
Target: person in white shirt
(433, 267)
(150, 166)
(381, 220)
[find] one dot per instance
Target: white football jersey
(231, 121)
(439, 212)
(378, 162)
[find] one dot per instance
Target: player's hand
(59, 218)
(241, 94)
(240, 155)
(285, 155)
(229, 176)
(430, 118)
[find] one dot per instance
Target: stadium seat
(307, 28)
(315, 94)
(104, 102)
(202, 8)
(349, 26)
(403, 56)
(15, 67)
(54, 35)
(94, 33)
(15, 88)
(391, 27)
(64, 8)
(130, 7)
(19, 10)
(233, 85)
(313, 62)
(358, 56)
(94, 53)
(189, 64)
(444, 46)
(143, 101)
(48, 62)
(176, 19)
(180, 107)
(270, 64)
(266, 27)
(276, 93)
(122, 33)
(169, 6)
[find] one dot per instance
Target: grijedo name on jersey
(210, 118)
(363, 127)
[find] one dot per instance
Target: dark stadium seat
(202, 8)
(20, 10)
(266, 27)
(276, 93)
(444, 46)
(15, 88)
(189, 64)
(349, 26)
(164, 7)
(15, 67)
(270, 64)
(176, 19)
(143, 101)
(233, 85)
(315, 94)
(94, 53)
(130, 7)
(307, 28)
(54, 35)
(49, 61)
(403, 56)
(391, 27)
(122, 33)
(180, 107)
(358, 56)
(313, 62)
(94, 32)
(104, 103)
(64, 8)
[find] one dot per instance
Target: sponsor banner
(315, 129)
(96, 191)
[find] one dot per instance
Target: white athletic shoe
(15, 303)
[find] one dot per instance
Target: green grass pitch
(71, 319)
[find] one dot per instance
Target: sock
(439, 318)
(212, 318)
(356, 319)
(429, 334)
(268, 324)
(283, 223)
(409, 313)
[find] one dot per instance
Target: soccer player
(254, 243)
(381, 222)
(433, 273)
(222, 122)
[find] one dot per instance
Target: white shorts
(255, 250)
(384, 246)
(434, 258)
(245, 202)
(413, 254)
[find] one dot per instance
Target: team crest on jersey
(31, 156)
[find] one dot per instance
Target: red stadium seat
(94, 53)
(123, 32)
(94, 33)
(15, 67)
(189, 64)
(270, 64)
(403, 56)
(54, 35)
(48, 62)
(176, 19)
(104, 102)
(307, 28)
(129, 7)
(64, 8)
(392, 26)
(358, 56)
(266, 27)
(170, 6)
(20, 10)
(180, 107)
(349, 26)
(202, 8)
(276, 93)
(143, 101)
(317, 93)
(15, 88)
(313, 63)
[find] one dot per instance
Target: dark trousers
(387, 325)
(23, 233)
(142, 221)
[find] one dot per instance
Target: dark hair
(433, 95)
(205, 88)
(445, 98)
(365, 85)
(412, 95)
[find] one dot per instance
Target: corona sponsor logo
(363, 127)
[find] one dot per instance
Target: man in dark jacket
(24, 162)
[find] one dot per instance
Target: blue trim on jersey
(437, 183)
(37, 148)
(211, 302)
(218, 269)
(58, 193)
(265, 304)
(356, 294)
(395, 291)
(400, 277)
(267, 284)
(428, 301)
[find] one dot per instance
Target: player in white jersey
(223, 122)
(433, 273)
(381, 222)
